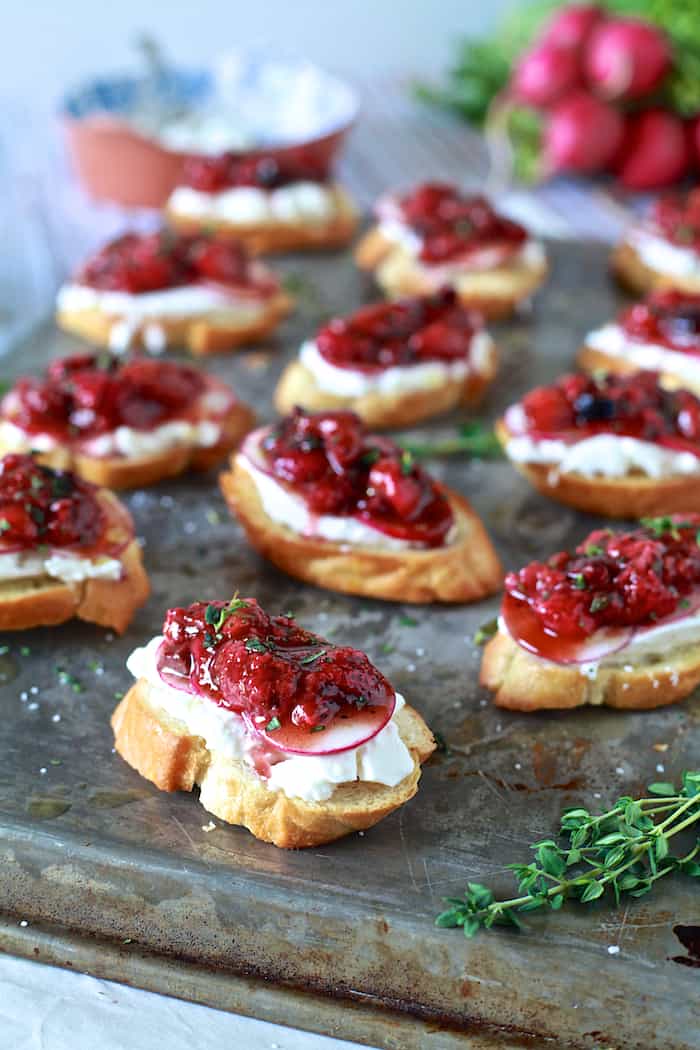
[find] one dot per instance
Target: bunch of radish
(596, 80)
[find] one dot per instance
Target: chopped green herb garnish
(24, 650)
(273, 724)
(66, 678)
(256, 645)
(579, 581)
(317, 729)
(407, 621)
(684, 603)
(213, 516)
(4, 650)
(4, 525)
(473, 439)
(313, 656)
(594, 549)
(601, 601)
(371, 456)
(407, 462)
(217, 616)
(387, 647)
(486, 631)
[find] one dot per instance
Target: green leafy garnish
(622, 851)
(579, 581)
(4, 525)
(217, 616)
(407, 621)
(486, 631)
(273, 724)
(313, 656)
(317, 729)
(256, 645)
(66, 678)
(593, 549)
(472, 439)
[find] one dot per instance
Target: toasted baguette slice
(635, 276)
(203, 334)
(633, 496)
(44, 602)
(297, 386)
(162, 750)
(127, 472)
(521, 681)
(494, 293)
(463, 571)
(270, 238)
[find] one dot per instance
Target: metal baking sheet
(91, 854)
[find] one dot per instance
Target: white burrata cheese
(68, 567)
(612, 339)
(299, 203)
(290, 510)
(604, 455)
(664, 256)
(124, 441)
(399, 379)
(384, 759)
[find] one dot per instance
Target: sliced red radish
(342, 734)
(527, 630)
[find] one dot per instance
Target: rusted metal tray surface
(86, 846)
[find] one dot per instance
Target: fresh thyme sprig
(624, 850)
(472, 439)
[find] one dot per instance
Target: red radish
(655, 151)
(582, 134)
(542, 76)
(572, 26)
(526, 629)
(342, 734)
(626, 58)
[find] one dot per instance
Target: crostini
(123, 423)
(291, 736)
(436, 236)
(661, 334)
(340, 507)
(620, 446)
(286, 202)
(616, 622)
(67, 549)
(663, 249)
(395, 363)
(163, 290)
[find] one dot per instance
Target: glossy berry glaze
(669, 318)
(138, 263)
(87, 395)
(577, 407)
(266, 172)
(337, 467)
(297, 691)
(676, 218)
(400, 333)
(56, 511)
(612, 584)
(454, 227)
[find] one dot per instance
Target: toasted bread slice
(635, 276)
(43, 601)
(521, 681)
(462, 571)
(272, 238)
(161, 749)
(203, 334)
(495, 293)
(297, 386)
(128, 472)
(633, 496)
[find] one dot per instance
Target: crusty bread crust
(635, 276)
(522, 682)
(633, 496)
(160, 748)
(297, 386)
(125, 472)
(494, 293)
(44, 602)
(202, 334)
(273, 238)
(466, 570)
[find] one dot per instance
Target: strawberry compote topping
(677, 218)
(286, 682)
(338, 468)
(668, 318)
(577, 407)
(53, 509)
(405, 332)
(454, 226)
(137, 263)
(266, 172)
(613, 580)
(87, 395)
